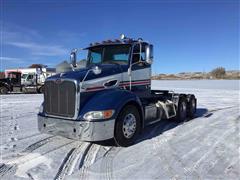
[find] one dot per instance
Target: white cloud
(40, 49)
(13, 32)
(31, 40)
(6, 62)
(11, 59)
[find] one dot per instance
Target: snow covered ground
(207, 147)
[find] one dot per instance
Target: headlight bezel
(98, 115)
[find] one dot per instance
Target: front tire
(127, 126)
(3, 90)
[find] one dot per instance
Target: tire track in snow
(194, 170)
(30, 176)
(171, 160)
(158, 144)
(70, 161)
(163, 145)
(38, 144)
(14, 119)
(30, 136)
(7, 170)
(34, 146)
(87, 160)
(208, 161)
(60, 174)
(22, 138)
(188, 172)
(85, 152)
(186, 133)
(107, 162)
(10, 167)
(208, 153)
(210, 112)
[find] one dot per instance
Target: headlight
(41, 109)
(93, 115)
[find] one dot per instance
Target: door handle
(111, 83)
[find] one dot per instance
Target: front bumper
(79, 130)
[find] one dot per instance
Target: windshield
(24, 76)
(114, 54)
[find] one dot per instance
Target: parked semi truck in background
(26, 80)
(111, 97)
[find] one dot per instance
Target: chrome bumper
(79, 130)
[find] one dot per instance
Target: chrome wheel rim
(129, 125)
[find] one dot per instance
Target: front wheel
(3, 90)
(127, 126)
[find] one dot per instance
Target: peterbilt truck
(111, 97)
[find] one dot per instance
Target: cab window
(110, 54)
(30, 77)
(95, 56)
(137, 56)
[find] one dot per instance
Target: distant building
(2, 75)
(66, 66)
(48, 71)
(63, 67)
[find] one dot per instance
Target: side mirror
(149, 53)
(96, 70)
(73, 58)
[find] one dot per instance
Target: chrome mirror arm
(96, 70)
(81, 83)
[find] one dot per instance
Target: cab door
(141, 71)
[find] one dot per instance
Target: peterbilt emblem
(58, 81)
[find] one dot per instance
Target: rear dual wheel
(186, 109)
(182, 109)
(192, 106)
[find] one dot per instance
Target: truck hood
(107, 70)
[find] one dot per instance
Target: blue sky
(188, 35)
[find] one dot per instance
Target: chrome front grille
(60, 98)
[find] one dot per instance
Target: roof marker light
(122, 37)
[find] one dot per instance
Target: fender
(111, 99)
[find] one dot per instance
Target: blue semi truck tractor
(111, 97)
